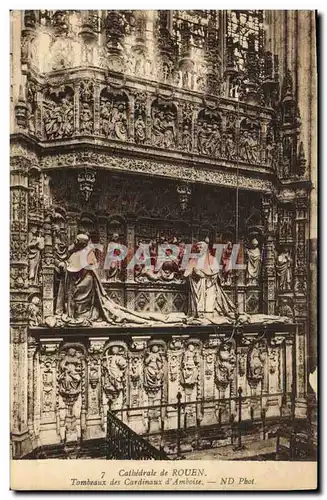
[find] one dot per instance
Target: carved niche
(58, 113)
(256, 362)
(114, 366)
(86, 107)
(71, 385)
(230, 137)
(186, 128)
(164, 124)
(140, 134)
(114, 114)
(208, 135)
(154, 369)
(190, 367)
(225, 364)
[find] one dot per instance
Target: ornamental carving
(225, 364)
(58, 113)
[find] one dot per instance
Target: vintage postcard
(163, 242)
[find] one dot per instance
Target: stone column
(19, 309)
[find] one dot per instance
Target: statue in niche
(139, 130)
(256, 360)
(83, 300)
(86, 118)
(190, 364)
(187, 138)
(35, 311)
(153, 370)
(226, 263)
(284, 269)
(35, 248)
(253, 263)
(114, 368)
(230, 147)
(70, 373)
(115, 267)
(225, 365)
(284, 308)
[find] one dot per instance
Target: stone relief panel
(114, 115)
(58, 113)
(78, 385)
(164, 124)
(209, 131)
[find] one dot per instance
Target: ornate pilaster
(19, 309)
(269, 275)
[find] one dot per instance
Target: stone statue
(190, 362)
(114, 371)
(35, 311)
(139, 129)
(115, 267)
(70, 376)
(186, 139)
(35, 247)
(225, 365)
(207, 299)
(227, 263)
(284, 270)
(254, 263)
(83, 300)
(153, 370)
(256, 360)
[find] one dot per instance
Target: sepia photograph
(163, 247)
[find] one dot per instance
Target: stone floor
(256, 450)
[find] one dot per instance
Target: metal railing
(232, 429)
(125, 444)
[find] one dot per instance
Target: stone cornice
(216, 174)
